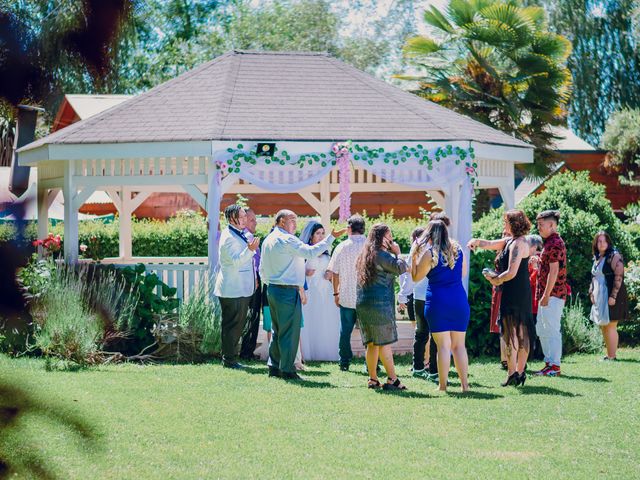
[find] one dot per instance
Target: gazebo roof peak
(279, 96)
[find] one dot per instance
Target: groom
(235, 282)
(282, 269)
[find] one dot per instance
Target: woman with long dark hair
(446, 306)
(377, 267)
(607, 292)
(516, 318)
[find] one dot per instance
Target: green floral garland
(359, 153)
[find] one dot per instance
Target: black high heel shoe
(513, 379)
(521, 379)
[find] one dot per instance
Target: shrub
(35, 277)
(153, 298)
(479, 340)
(194, 333)
(630, 331)
(633, 230)
(579, 333)
(65, 327)
(200, 315)
(77, 310)
(585, 210)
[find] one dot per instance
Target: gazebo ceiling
(282, 96)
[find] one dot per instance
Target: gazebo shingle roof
(276, 96)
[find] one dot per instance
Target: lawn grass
(200, 421)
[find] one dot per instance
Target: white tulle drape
(274, 177)
(446, 176)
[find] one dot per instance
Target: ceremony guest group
(300, 285)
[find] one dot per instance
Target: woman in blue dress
(446, 307)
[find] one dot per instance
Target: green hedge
(479, 340)
(184, 235)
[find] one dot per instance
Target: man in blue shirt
(282, 269)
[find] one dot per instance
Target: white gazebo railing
(185, 274)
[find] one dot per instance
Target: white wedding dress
(321, 332)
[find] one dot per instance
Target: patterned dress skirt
(376, 315)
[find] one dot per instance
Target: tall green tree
(165, 38)
(496, 61)
(47, 48)
(621, 139)
(302, 25)
(605, 62)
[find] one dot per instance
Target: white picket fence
(185, 274)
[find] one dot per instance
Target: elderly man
(282, 269)
(235, 282)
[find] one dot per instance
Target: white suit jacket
(236, 276)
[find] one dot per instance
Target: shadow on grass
(307, 383)
(474, 395)
(626, 360)
(265, 371)
(403, 393)
(587, 379)
(540, 390)
(314, 373)
(480, 385)
(16, 404)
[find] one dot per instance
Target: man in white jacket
(235, 282)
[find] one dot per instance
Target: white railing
(185, 274)
(141, 167)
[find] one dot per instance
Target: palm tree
(496, 61)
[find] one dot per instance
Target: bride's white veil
(305, 236)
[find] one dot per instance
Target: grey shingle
(276, 96)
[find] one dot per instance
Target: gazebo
(281, 122)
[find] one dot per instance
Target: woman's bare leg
(610, 334)
(603, 330)
(511, 352)
(443, 342)
(503, 350)
(523, 352)
(460, 358)
(372, 360)
(386, 356)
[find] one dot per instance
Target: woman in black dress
(516, 318)
(613, 303)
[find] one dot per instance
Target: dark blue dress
(446, 307)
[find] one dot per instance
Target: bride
(321, 333)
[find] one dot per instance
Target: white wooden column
(325, 203)
(128, 205)
(508, 189)
(43, 214)
(325, 206)
(214, 195)
(125, 237)
(452, 207)
(507, 192)
(69, 191)
(438, 197)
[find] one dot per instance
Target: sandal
(374, 383)
(395, 385)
